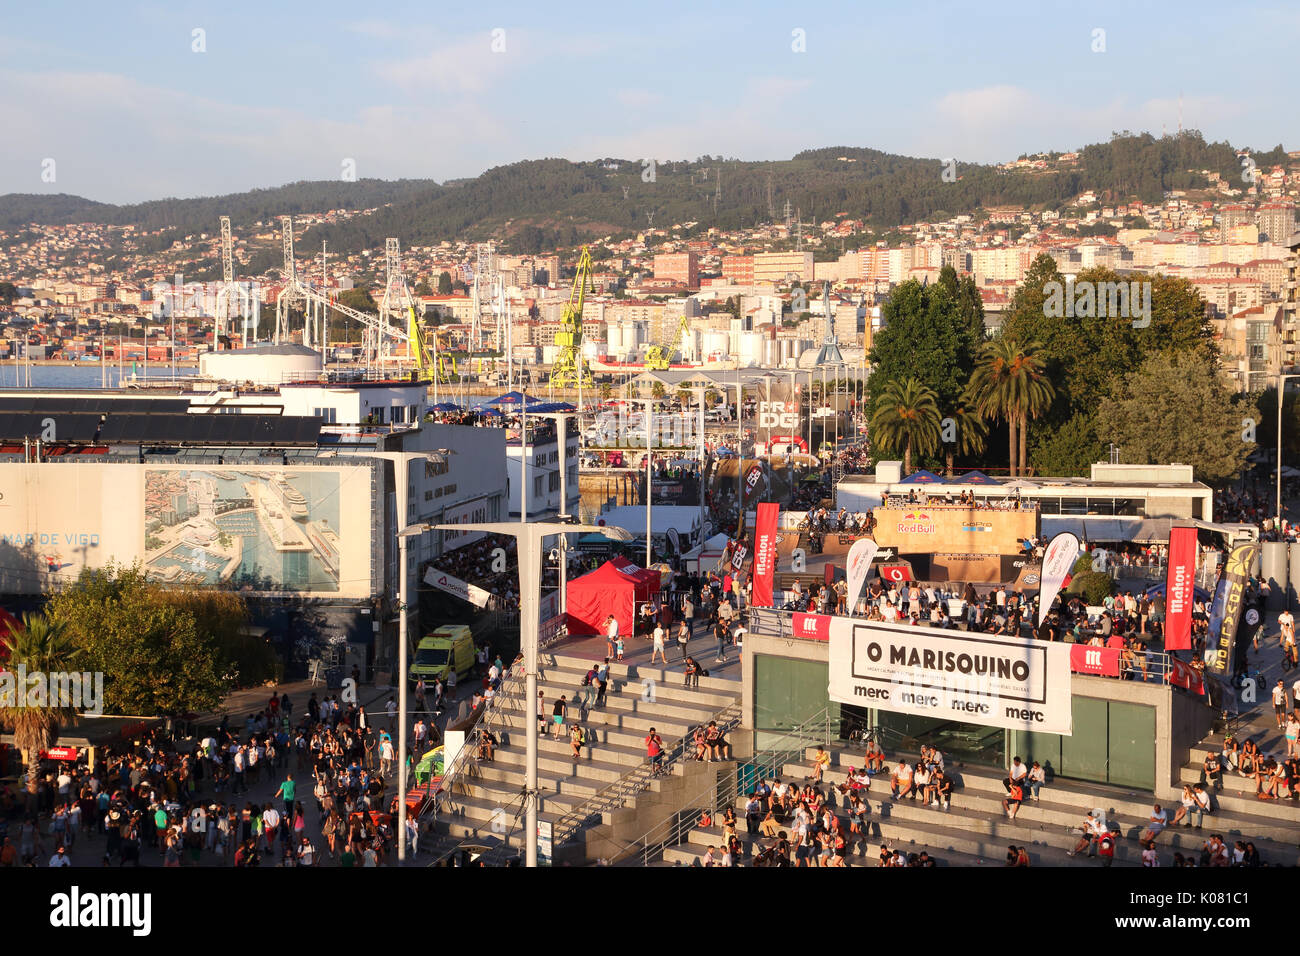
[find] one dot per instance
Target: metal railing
(493, 715)
(636, 781)
(814, 731)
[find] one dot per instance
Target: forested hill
(202, 215)
(539, 204)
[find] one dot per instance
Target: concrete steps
(976, 828)
(484, 801)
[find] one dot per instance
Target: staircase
(587, 800)
(976, 831)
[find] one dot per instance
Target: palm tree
(907, 417)
(41, 648)
(972, 430)
(657, 391)
(1009, 384)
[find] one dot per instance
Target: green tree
(971, 429)
(1009, 384)
(423, 288)
(1083, 355)
(41, 647)
(161, 651)
(1175, 408)
(906, 418)
(444, 283)
(8, 292)
(658, 391)
(929, 336)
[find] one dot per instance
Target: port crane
(380, 338)
(570, 370)
(659, 358)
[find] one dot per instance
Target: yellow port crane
(570, 371)
(659, 358)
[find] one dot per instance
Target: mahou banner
(764, 552)
(1179, 592)
(859, 563)
(1058, 562)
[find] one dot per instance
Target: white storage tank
(262, 364)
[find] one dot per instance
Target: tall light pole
(529, 539)
(402, 537)
(649, 479)
(562, 436)
(404, 531)
(1281, 389)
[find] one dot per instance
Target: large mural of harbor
(255, 529)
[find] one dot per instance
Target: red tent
(617, 587)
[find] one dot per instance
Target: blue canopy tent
(490, 411)
(543, 408)
(510, 398)
(1200, 594)
(445, 407)
(922, 477)
(972, 478)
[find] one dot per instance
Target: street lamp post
(404, 531)
(529, 538)
(1281, 389)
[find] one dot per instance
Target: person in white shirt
(1157, 823)
(611, 634)
(1285, 627)
(1150, 857)
(901, 784)
(658, 645)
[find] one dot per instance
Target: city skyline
(133, 104)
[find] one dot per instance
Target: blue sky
(115, 94)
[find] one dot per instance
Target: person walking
(683, 638)
(286, 793)
(658, 647)
(720, 632)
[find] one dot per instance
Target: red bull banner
(764, 552)
(1178, 589)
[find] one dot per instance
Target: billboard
(258, 528)
(952, 529)
(1178, 589)
(973, 678)
(764, 553)
(1229, 600)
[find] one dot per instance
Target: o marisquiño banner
(1178, 589)
(764, 552)
(980, 679)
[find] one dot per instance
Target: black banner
(1236, 574)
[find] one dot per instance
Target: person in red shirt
(654, 749)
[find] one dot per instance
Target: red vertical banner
(1179, 589)
(764, 552)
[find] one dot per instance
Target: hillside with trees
(543, 204)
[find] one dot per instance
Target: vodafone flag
(764, 553)
(1178, 589)
(1058, 562)
(859, 563)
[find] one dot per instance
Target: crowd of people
(180, 803)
